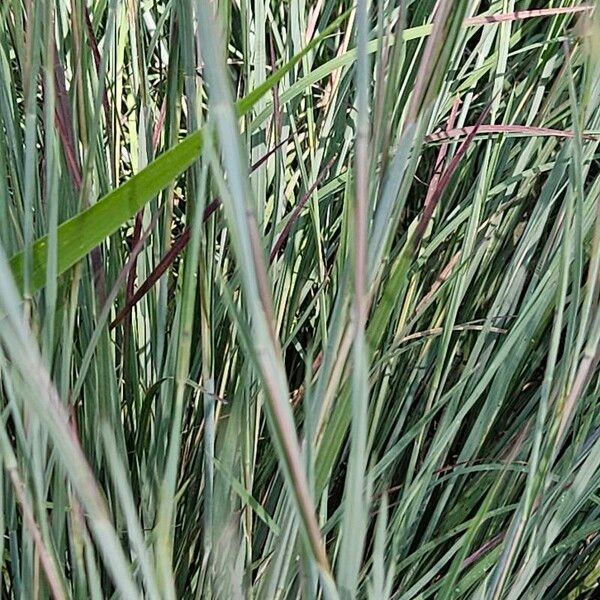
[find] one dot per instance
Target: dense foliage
(299, 299)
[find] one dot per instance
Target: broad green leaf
(80, 234)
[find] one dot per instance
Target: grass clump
(299, 300)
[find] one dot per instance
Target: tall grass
(299, 300)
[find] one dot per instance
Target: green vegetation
(299, 299)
